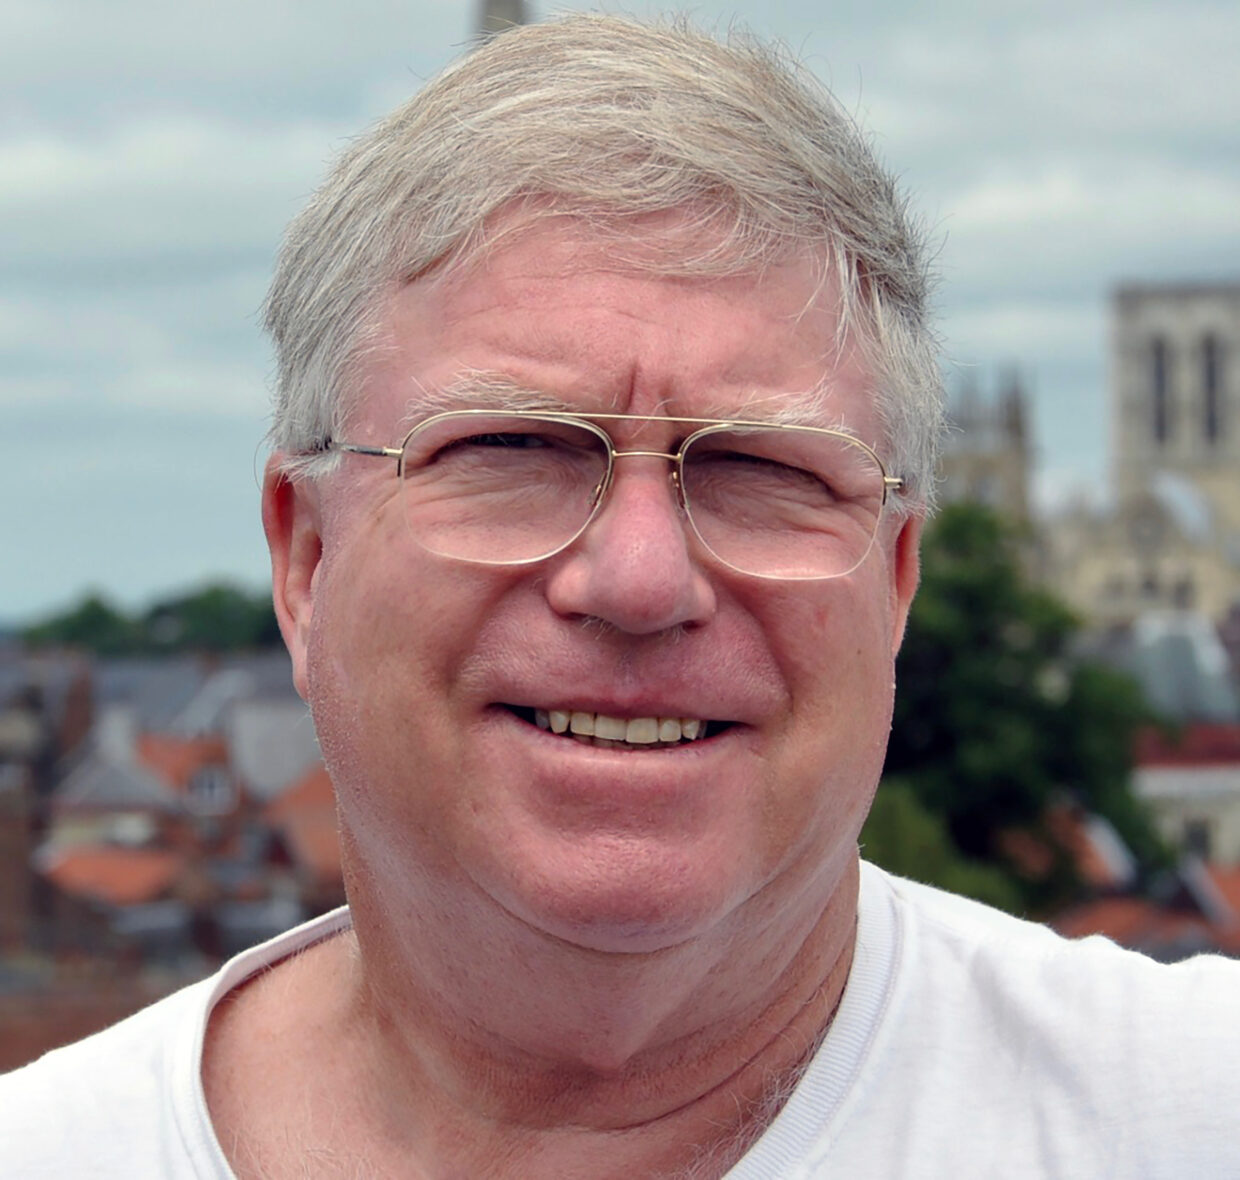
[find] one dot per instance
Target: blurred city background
(1067, 738)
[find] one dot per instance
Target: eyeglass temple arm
(361, 449)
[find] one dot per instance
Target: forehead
(554, 311)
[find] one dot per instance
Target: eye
(746, 472)
(519, 439)
(505, 447)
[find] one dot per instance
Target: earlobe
(294, 540)
(905, 574)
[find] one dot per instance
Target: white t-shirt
(967, 1044)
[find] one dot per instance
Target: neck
(550, 1044)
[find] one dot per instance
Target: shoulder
(1086, 998)
(944, 922)
(1000, 1048)
(971, 1043)
(129, 1101)
(89, 1104)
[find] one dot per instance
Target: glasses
(518, 487)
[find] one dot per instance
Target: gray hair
(607, 119)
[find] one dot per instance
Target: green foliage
(94, 624)
(993, 717)
(1096, 758)
(906, 838)
(217, 618)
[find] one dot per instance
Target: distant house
(1197, 911)
(16, 844)
(159, 828)
(44, 717)
(304, 816)
(1069, 834)
(1191, 782)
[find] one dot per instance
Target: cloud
(1013, 327)
(1079, 224)
(151, 155)
(187, 343)
(134, 503)
(85, 64)
(157, 194)
(1015, 79)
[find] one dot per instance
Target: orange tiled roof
(176, 759)
(315, 845)
(312, 790)
(1067, 826)
(120, 876)
(1199, 743)
(306, 815)
(1227, 882)
(1143, 925)
(1070, 827)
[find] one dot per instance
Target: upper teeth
(640, 730)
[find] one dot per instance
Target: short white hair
(608, 119)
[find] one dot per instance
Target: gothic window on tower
(1212, 388)
(1159, 372)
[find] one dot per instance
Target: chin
(629, 900)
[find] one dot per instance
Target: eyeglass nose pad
(680, 487)
(600, 490)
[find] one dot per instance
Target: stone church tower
(1175, 403)
(1173, 540)
(1175, 388)
(988, 454)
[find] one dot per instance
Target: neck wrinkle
(726, 1092)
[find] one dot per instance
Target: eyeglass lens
(772, 501)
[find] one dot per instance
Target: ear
(294, 538)
(905, 574)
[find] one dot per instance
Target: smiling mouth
(636, 733)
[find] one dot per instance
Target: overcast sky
(150, 154)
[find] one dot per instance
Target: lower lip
(589, 789)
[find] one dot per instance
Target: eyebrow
(483, 390)
(479, 390)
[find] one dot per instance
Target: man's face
(423, 673)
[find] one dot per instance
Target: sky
(151, 154)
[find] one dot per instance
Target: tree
(994, 719)
(94, 624)
(902, 835)
(217, 618)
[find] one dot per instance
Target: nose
(633, 568)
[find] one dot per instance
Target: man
(604, 434)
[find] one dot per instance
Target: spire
(1013, 405)
(494, 16)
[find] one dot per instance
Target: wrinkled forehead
(699, 242)
(552, 277)
(704, 240)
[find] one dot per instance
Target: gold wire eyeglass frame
(891, 484)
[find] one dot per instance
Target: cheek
(839, 658)
(393, 679)
(390, 622)
(839, 672)
(380, 669)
